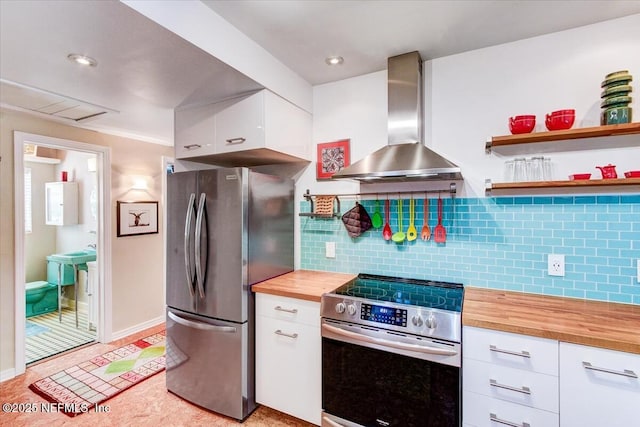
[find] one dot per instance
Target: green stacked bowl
(615, 98)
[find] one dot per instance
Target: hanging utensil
(440, 233)
(412, 233)
(425, 234)
(356, 220)
(399, 235)
(386, 231)
(376, 219)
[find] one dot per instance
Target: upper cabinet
(256, 129)
(564, 140)
(61, 203)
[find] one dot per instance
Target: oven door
(374, 377)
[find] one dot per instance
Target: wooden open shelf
(561, 184)
(563, 135)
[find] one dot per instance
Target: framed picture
(332, 157)
(135, 218)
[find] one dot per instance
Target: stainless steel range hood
(405, 158)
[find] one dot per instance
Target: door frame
(103, 166)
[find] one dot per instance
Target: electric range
(391, 353)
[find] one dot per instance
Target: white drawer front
(288, 368)
(514, 385)
(605, 392)
(285, 308)
(512, 350)
(484, 411)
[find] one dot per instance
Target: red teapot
(608, 171)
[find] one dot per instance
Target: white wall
(474, 94)
(76, 237)
(470, 96)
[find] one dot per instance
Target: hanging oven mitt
(356, 220)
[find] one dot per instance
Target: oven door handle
(388, 343)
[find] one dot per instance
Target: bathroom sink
(77, 257)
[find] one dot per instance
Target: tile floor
(146, 404)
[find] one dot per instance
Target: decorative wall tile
(499, 243)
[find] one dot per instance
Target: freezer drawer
(210, 363)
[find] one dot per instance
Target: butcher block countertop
(593, 323)
(303, 284)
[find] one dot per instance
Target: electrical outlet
(638, 268)
(555, 265)
(330, 249)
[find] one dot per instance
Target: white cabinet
(195, 131)
(509, 379)
(61, 203)
(598, 387)
(260, 125)
(288, 356)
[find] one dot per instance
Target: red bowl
(577, 176)
(632, 174)
(559, 121)
(522, 124)
(564, 113)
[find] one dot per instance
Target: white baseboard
(137, 328)
(7, 374)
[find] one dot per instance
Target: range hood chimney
(405, 158)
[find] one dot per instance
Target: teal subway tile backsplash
(499, 243)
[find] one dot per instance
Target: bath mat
(80, 387)
(32, 329)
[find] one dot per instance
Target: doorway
(64, 284)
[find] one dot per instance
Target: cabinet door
(61, 203)
(598, 387)
(288, 367)
(240, 124)
(195, 131)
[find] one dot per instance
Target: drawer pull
(495, 419)
(523, 389)
(232, 141)
(625, 373)
(522, 353)
(279, 332)
(287, 310)
(190, 146)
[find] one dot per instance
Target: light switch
(330, 249)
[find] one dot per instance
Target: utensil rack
(336, 214)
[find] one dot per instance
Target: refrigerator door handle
(200, 325)
(199, 273)
(187, 241)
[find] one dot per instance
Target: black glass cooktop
(425, 293)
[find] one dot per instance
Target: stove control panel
(382, 314)
(403, 318)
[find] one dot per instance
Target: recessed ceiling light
(334, 60)
(82, 59)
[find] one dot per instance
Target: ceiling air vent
(40, 101)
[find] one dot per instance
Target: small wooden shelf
(563, 135)
(560, 184)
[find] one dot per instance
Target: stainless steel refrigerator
(226, 229)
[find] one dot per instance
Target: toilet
(41, 297)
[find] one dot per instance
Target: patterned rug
(80, 387)
(32, 329)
